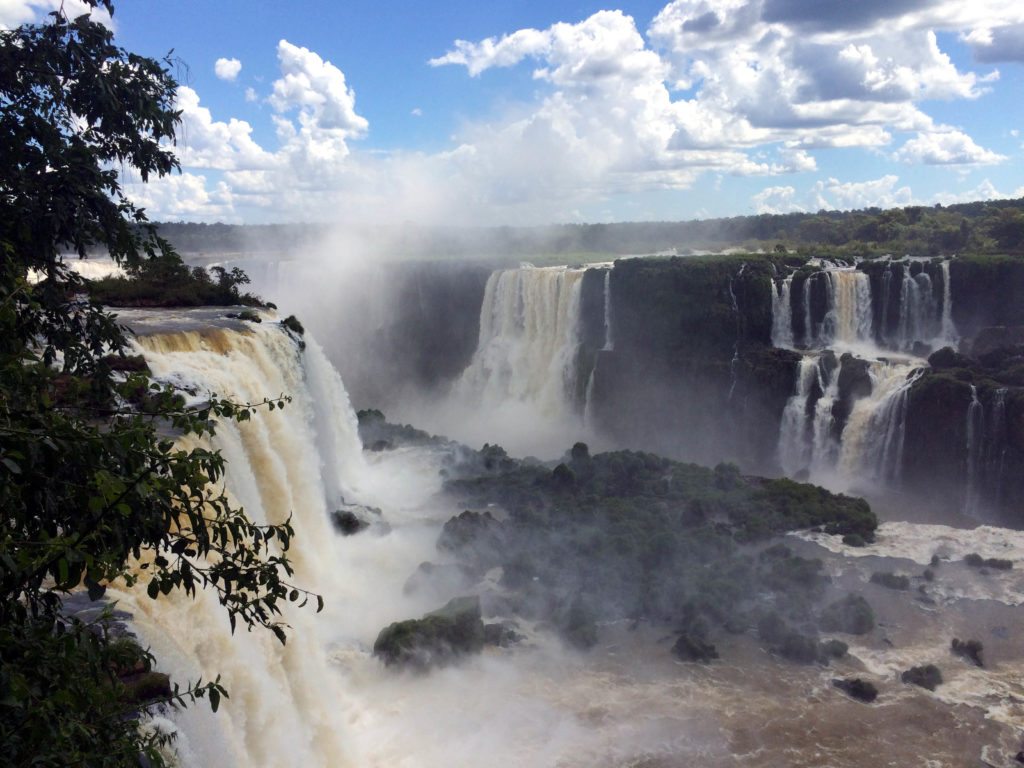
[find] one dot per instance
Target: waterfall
(824, 447)
(849, 306)
(917, 310)
(847, 319)
(301, 461)
(809, 331)
(794, 447)
(529, 340)
(870, 445)
(782, 313)
(609, 340)
(947, 329)
(873, 439)
(975, 448)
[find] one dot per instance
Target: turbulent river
(324, 700)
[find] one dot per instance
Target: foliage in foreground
(88, 482)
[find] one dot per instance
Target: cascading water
(782, 316)
(946, 326)
(794, 446)
(529, 338)
(918, 313)
(873, 439)
(609, 340)
(848, 320)
(302, 461)
(870, 445)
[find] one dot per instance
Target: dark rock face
(928, 676)
(946, 358)
(438, 638)
(692, 374)
(858, 689)
(987, 291)
(997, 337)
(851, 615)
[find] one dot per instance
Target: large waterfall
(522, 386)
(302, 461)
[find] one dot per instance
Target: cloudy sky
(521, 111)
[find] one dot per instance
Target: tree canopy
(91, 489)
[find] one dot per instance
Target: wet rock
(832, 649)
(690, 647)
(928, 575)
(947, 357)
(974, 560)
(928, 676)
(858, 689)
(348, 522)
(891, 580)
(852, 615)
(968, 649)
(501, 634)
(438, 638)
(579, 626)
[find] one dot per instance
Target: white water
(284, 705)
(847, 324)
(870, 446)
(782, 317)
(873, 439)
(848, 321)
(609, 340)
(521, 386)
(947, 328)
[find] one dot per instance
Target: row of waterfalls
(874, 325)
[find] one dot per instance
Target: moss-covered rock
(437, 638)
(851, 615)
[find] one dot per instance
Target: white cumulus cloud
(950, 147)
(227, 69)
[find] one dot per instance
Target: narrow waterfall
(609, 339)
(529, 340)
(782, 313)
(918, 313)
(975, 450)
(794, 446)
(949, 336)
(301, 461)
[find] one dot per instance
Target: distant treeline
(978, 227)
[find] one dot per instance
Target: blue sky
(570, 111)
